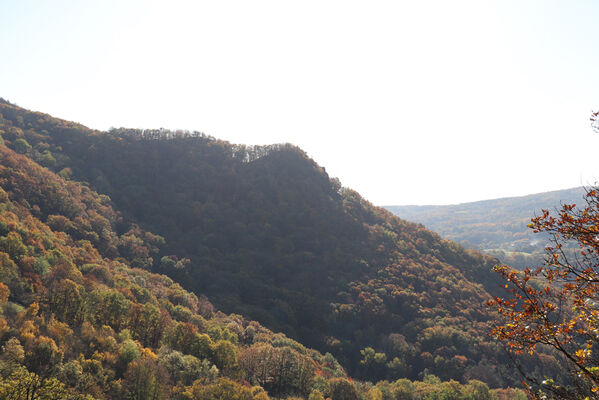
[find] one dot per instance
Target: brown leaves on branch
(557, 305)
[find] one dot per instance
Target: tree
(280, 370)
(66, 300)
(557, 305)
(342, 389)
(224, 355)
(25, 385)
(43, 356)
(21, 146)
(13, 246)
(224, 388)
(145, 380)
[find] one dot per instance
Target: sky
(407, 102)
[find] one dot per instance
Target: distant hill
(266, 233)
(497, 227)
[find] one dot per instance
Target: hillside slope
(497, 227)
(76, 322)
(266, 233)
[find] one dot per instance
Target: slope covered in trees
(265, 232)
(498, 227)
(77, 322)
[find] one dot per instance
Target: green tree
(129, 352)
(21, 146)
(223, 389)
(144, 380)
(224, 355)
(66, 301)
(24, 385)
(13, 246)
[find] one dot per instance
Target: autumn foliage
(82, 315)
(264, 232)
(557, 305)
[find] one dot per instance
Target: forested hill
(264, 232)
(497, 227)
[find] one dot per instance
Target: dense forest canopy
(78, 322)
(261, 231)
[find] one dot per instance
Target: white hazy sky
(408, 102)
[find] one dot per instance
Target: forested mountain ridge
(498, 227)
(264, 232)
(77, 322)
